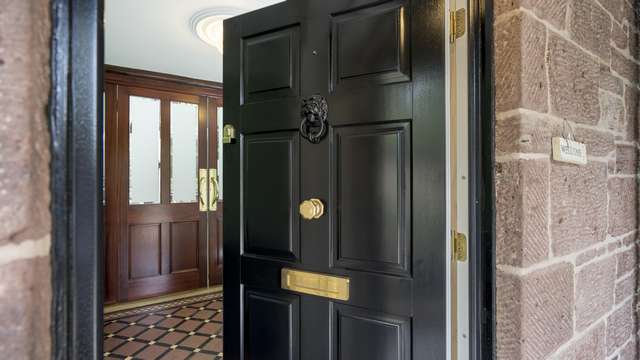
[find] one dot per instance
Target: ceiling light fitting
(207, 24)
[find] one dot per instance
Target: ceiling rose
(207, 24)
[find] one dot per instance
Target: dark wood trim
(215, 217)
(165, 152)
(203, 163)
(481, 176)
(123, 194)
(159, 81)
(112, 193)
(165, 95)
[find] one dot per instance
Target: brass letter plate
(332, 287)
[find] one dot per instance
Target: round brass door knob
(311, 209)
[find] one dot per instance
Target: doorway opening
(79, 273)
(162, 98)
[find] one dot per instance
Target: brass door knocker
(314, 118)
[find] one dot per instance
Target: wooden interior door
(335, 196)
(160, 131)
(164, 144)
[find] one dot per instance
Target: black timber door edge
(481, 181)
(75, 110)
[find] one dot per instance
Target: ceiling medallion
(207, 24)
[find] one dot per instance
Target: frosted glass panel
(220, 177)
(144, 150)
(184, 152)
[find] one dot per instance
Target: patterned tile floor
(175, 331)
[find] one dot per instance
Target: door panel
(371, 198)
(272, 325)
(379, 172)
(386, 337)
(359, 61)
(271, 64)
(144, 243)
(184, 238)
(271, 184)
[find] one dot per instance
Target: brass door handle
(202, 189)
(311, 209)
(214, 193)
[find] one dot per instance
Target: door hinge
(459, 246)
(458, 24)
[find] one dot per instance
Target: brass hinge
(458, 24)
(459, 246)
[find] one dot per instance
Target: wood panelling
(144, 251)
(387, 337)
(154, 249)
(358, 61)
(112, 190)
(270, 65)
(272, 326)
(184, 238)
(215, 217)
(152, 80)
(271, 183)
(380, 173)
(371, 183)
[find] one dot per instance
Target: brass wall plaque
(332, 287)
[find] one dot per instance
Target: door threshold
(161, 299)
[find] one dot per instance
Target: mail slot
(332, 287)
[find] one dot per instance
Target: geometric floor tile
(182, 330)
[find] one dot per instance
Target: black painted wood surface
(380, 172)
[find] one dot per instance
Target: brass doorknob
(311, 209)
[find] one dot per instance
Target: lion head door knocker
(314, 118)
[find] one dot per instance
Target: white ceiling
(155, 35)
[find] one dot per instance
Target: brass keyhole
(311, 209)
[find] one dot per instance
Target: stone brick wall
(567, 235)
(25, 280)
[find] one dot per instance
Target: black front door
(335, 188)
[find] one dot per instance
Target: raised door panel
(184, 246)
(371, 183)
(371, 45)
(271, 191)
(144, 251)
(270, 63)
(272, 326)
(360, 334)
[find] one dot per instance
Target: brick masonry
(25, 220)
(567, 235)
